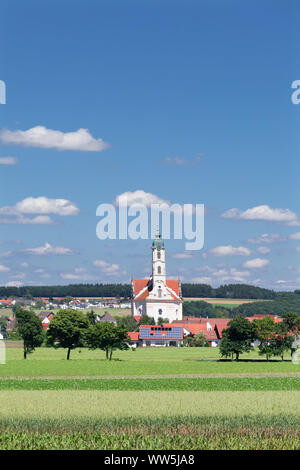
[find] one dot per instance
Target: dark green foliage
(198, 340)
(66, 330)
(92, 317)
(106, 336)
(145, 320)
(237, 338)
(198, 308)
(282, 305)
(274, 338)
(234, 291)
(127, 322)
(29, 328)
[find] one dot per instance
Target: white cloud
(107, 268)
(70, 276)
(232, 275)
(41, 205)
(295, 236)
(24, 265)
(298, 248)
(19, 276)
(229, 250)
(138, 198)
(268, 238)
(5, 254)
(179, 161)
(80, 270)
(182, 255)
(48, 249)
(202, 280)
(14, 284)
(264, 212)
(263, 249)
(78, 275)
(8, 160)
(42, 137)
(256, 263)
(3, 268)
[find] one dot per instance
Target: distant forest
(229, 291)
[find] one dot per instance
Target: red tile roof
(141, 291)
(134, 335)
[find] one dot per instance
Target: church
(157, 296)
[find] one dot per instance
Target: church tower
(158, 260)
(157, 296)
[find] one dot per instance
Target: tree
(92, 317)
(106, 336)
(198, 340)
(145, 320)
(161, 321)
(237, 338)
(66, 330)
(30, 329)
(265, 333)
(128, 322)
(292, 322)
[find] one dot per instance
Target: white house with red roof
(157, 296)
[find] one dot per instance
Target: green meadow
(163, 398)
(48, 362)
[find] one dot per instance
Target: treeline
(281, 305)
(72, 290)
(229, 291)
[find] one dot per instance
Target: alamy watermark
(296, 353)
(138, 221)
(2, 92)
(296, 94)
(2, 352)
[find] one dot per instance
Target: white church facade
(157, 296)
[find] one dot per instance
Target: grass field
(48, 362)
(164, 398)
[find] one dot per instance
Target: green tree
(29, 327)
(127, 322)
(92, 317)
(265, 333)
(67, 329)
(145, 320)
(292, 322)
(237, 338)
(161, 321)
(108, 337)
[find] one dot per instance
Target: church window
(159, 270)
(158, 255)
(159, 291)
(160, 311)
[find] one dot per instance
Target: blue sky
(194, 100)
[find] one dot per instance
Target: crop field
(163, 398)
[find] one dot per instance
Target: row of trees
(273, 339)
(281, 305)
(230, 291)
(70, 329)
